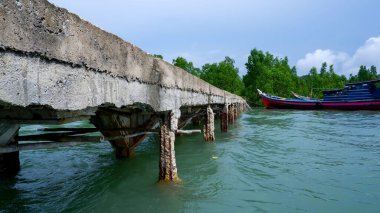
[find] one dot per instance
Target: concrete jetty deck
(57, 68)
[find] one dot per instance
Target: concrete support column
(167, 164)
(231, 114)
(236, 113)
(224, 119)
(209, 128)
(9, 162)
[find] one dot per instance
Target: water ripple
(269, 161)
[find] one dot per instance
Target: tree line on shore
(272, 75)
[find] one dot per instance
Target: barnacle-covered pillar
(209, 128)
(224, 119)
(9, 162)
(167, 164)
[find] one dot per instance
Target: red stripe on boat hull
(360, 105)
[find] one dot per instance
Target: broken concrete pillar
(209, 128)
(224, 119)
(9, 162)
(167, 164)
(116, 125)
(124, 148)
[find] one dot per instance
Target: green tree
(270, 74)
(364, 74)
(273, 75)
(313, 82)
(223, 75)
(331, 69)
(257, 69)
(317, 82)
(323, 69)
(373, 71)
(186, 65)
(158, 56)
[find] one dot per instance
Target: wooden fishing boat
(354, 96)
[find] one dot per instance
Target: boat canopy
(332, 91)
(358, 85)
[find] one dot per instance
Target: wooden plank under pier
(45, 145)
(55, 140)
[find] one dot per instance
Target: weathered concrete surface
(51, 57)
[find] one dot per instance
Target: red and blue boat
(354, 96)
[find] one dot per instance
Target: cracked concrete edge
(40, 28)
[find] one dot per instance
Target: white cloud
(368, 54)
(319, 56)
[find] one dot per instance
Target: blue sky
(343, 33)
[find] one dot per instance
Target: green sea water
(269, 161)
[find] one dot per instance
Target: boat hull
(272, 103)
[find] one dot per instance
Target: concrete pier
(57, 68)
